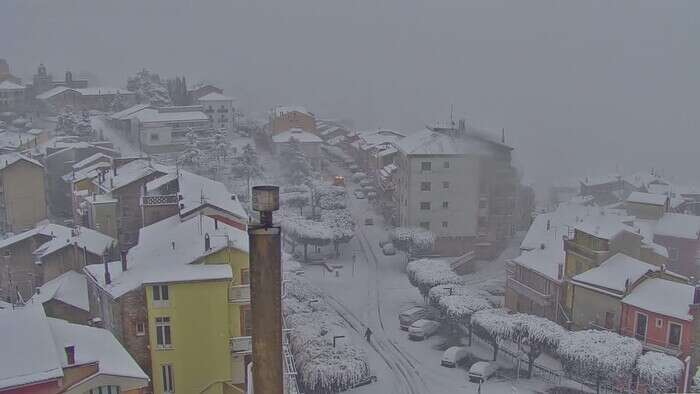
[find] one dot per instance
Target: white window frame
(428, 205)
(168, 378)
(646, 327)
(445, 205)
(424, 164)
(425, 186)
(444, 224)
(445, 184)
(658, 323)
(161, 323)
(158, 300)
(668, 335)
(140, 329)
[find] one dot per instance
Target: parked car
(359, 194)
(481, 371)
(422, 329)
(413, 314)
(454, 356)
(369, 221)
(389, 249)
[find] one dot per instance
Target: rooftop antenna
(452, 121)
(503, 135)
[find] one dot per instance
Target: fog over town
(316, 197)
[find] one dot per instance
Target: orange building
(287, 118)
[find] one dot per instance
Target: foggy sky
(581, 87)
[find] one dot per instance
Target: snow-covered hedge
(439, 291)
(660, 372)
(322, 367)
(461, 307)
(599, 355)
(417, 238)
(428, 273)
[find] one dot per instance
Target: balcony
(168, 199)
(239, 294)
(596, 255)
(241, 345)
(528, 292)
(653, 344)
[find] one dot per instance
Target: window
(445, 204)
(246, 318)
(425, 206)
(140, 329)
(425, 225)
(444, 224)
(105, 390)
(482, 221)
(674, 334)
(163, 339)
(154, 136)
(482, 203)
(640, 329)
(168, 380)
(425, 166)
(446, 164)
(609, 320)
(445, 185)
(425, 186)
(245, 276)
(160, 293)
(659, 323)
(673, 254)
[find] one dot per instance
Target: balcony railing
(241, 345)
(167, 199)
(528, 292)
(239, 294)
(653, 344)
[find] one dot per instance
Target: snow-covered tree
(660, 372)
(118, 103)
(600, 355)
(428, 273)
(247, 165)
(458, 309)
(413, 239)
(295, 200)
(149, 88)
(307, 232)
(330, 197)
(296, 168)
(341, 224)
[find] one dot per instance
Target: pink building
(680, 234)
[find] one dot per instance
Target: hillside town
(157, 238)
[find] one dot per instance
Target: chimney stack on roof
(108, 277)
(124, 261)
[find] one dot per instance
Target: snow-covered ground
(371, 293)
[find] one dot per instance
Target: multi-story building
(62, 98)
(375, 149)
(309, 144)
(22, 193)
(220, 110)
(458, 183)
(64, 297)
(52, 356)
(680, 234)
(11, 97)
(153, 301)
(200, 91)
(36, 256)
(166, 129)
(286, 118)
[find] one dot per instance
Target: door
(640, 331)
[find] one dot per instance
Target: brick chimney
(123, 258)
(108, 277)
(70, 354)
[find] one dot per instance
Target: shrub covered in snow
(599, 355)
(439, 291)
(428, 273)
(660, 372)
(412, 239)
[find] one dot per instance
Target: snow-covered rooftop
(131, 172)
(89, 172)
(297, 134)
(91, 159)
(604, 226)
(52, 92)
(215, 96)
(646, 198)
(614, 272)
(545, 261)
(102, 90)
(662, 296)
(600, 179)
(9, 159)
(678, 225)
(95, 242)
(154, 259)
(643, 179)
(429, 142)
(8, 85)
(69, 288)
(126, 113)
(282, 110)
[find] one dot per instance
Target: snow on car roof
(678, 225)
(614, 272)
(662, 296)
(646, 198)
(28, 352)
(155, 259)
(69, 288)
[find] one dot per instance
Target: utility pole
(266, 291)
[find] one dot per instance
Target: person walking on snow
(368, 334)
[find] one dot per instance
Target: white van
(453, 356)
(411, 315)
(422, 329)
(481, 371)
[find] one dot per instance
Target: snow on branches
(660, 372)
(461, 307)
(417, 238)
(341, 224)
(599, 354)
(428, 273)
(324, 364)
(330, 197)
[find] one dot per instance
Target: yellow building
(22, 193)
(179, 301)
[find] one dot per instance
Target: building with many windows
(458, 183)
(220, 110)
